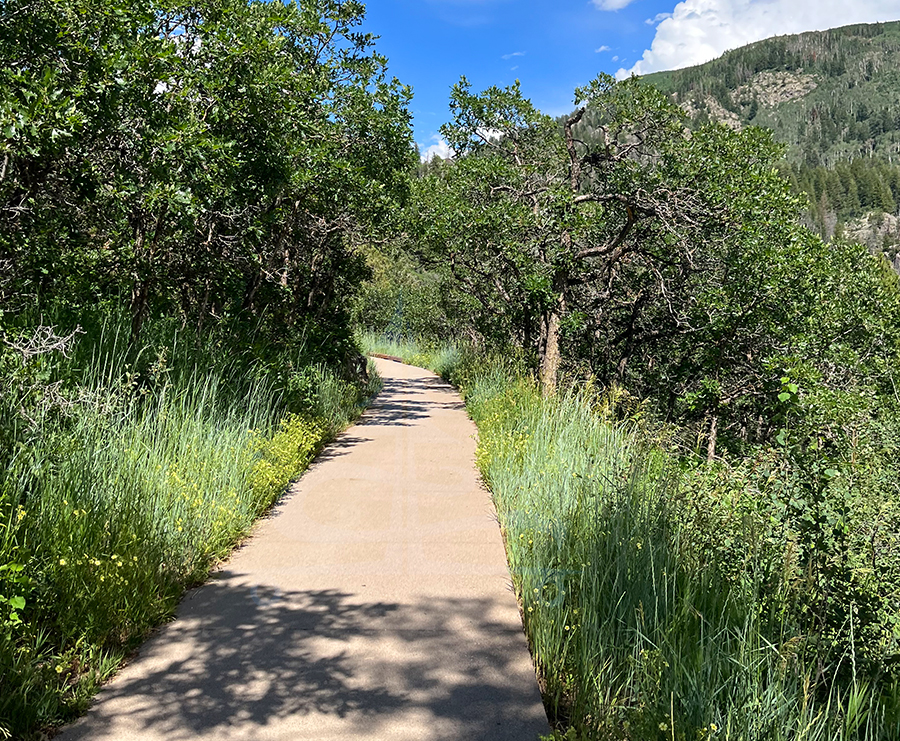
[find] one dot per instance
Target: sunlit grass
(129, 497)
(634, 633)
(440, 358)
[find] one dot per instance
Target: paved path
(373, 604)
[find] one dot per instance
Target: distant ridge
(833, 98)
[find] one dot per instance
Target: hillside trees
(215, 160)
(831, 96)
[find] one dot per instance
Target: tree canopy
(212, 160)
(667, 260)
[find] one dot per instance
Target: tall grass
(634, 633)
(126, 491)
(638, 628)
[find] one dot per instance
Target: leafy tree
(215, 160)
(569, 229)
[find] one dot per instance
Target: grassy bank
(644, 623)
(128, 475)
(665, 598)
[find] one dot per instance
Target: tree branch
(612, 248)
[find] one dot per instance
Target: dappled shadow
(403, 401)
(242, 654)
(327, 657)
(340, 446)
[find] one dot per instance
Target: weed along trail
(373, 604)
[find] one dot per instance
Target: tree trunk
(713, 434)
(250, 292)
(140, 294)
(551, 360)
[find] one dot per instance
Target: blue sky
(550, 46)
(554, 46)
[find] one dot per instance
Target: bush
(665, 597)
(659, 601)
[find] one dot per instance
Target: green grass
(656, 610)
(116, 501)
(635, 631)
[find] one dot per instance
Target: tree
(598, 221)
(213, 160)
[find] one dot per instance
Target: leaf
(784, 396)
(17, 603)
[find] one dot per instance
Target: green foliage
(664, 260)
(539, 222)
(214, 161)
(831, 95)
(403, 300)
(665, 600)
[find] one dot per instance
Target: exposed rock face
(715, 109)
(773, 88)
(719, 113)
(879, 232)
(768, 89)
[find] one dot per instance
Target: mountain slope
(831, 96)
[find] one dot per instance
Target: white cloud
(615, 58)
(514, 54)
(611, 4)
(492, 135)
(700, 30)
(440, 148)
(602, 48)
(659, 17)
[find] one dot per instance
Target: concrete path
(373, 604)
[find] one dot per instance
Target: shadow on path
(401, 403)
(257, 656)
(404, 401)
(428, 651)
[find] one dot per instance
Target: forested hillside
(833, 98)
